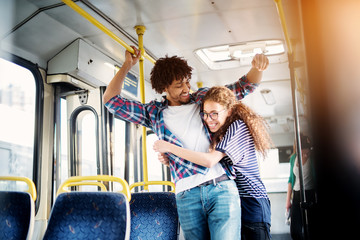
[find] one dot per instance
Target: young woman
(237, 133)
(293, 194)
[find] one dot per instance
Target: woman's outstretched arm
(204, 159)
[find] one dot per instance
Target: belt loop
(214, 181)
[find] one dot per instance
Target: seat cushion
(154, 216)
(15, 215)
(89, 215)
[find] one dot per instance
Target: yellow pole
(96, 23)
(283, 24)
(140, 30)
(281, 13)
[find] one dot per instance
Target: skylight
(231, 56)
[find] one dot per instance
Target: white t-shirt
(184, 121)
(308, 180)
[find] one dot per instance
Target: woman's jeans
(210, 212)
(255, 231)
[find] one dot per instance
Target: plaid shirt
(150, 115)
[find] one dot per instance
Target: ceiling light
(241, 54)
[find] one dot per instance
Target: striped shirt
(238, 145)
(150, 115)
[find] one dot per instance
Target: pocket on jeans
(226, 185)
(182, 194)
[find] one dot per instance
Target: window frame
(73, 131)
(39, 109)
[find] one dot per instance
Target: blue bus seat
(17, 215)
(154, 216)
(89, 215)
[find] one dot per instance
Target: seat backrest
(154, 216)
(89, 215)
(17, 215)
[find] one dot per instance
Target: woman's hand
(161, 146)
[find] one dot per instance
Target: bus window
(86, 136)
(17, 107)
(155, 168)
(82, 159)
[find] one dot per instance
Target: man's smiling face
(178, 92)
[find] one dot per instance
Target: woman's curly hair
(168, 69)
(256, 124)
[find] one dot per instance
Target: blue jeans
(255, 231)
(210, 212)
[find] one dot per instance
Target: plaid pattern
(150, 115)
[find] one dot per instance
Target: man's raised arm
(259, 63)
(115, 85)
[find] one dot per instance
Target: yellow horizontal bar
(78, 179)
(28, 181)
(138, 184)
(99, 184)
(148, 57)
(96, 23)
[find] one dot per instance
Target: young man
(207, 199)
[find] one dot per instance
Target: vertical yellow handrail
(294, 79)
(299, 84)
(96, 23)
(140, 30)
(283, 24)
(281, 13)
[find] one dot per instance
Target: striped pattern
(150, 115)
(239, 147)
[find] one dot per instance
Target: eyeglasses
(212, 115)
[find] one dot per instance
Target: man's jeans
(212, 210)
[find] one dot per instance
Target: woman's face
(215, 115)
(305, 153)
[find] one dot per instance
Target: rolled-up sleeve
(242, 87)
(129, 110)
